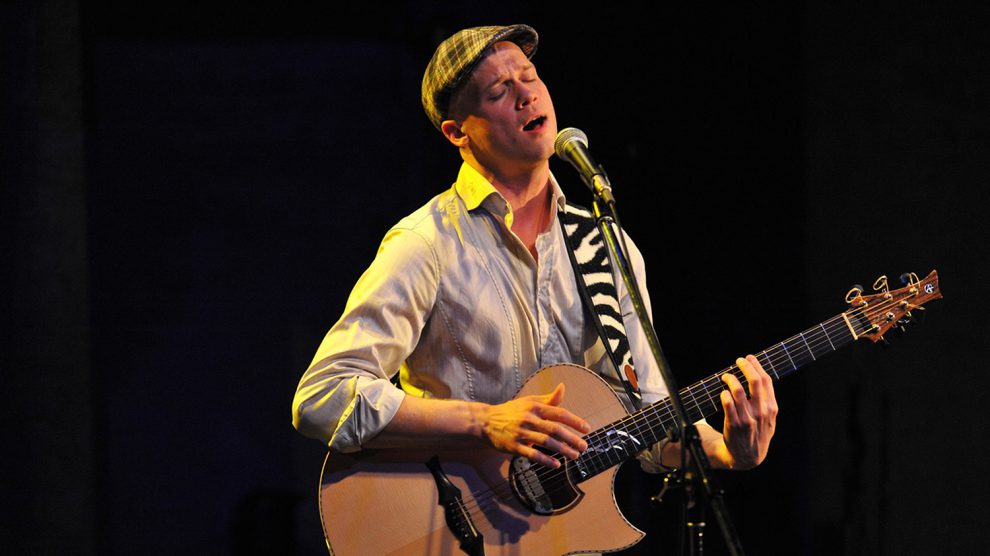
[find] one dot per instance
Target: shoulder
(431, 220)
(424, 237)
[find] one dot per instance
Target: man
(474, 292)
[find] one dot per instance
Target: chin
(548, 148)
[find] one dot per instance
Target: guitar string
(836, 323)
(813, 340)
(662, 410)
(701, 392)
(691, 395)
(768, 354)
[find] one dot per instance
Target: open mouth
(535, 123)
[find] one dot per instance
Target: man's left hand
(749, 421)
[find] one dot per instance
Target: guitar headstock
(877, 313)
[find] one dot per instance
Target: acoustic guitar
(483, 501)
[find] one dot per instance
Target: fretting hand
(749, 421)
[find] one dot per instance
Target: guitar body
(386, 501)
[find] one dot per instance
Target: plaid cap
(455, 60)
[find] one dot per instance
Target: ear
(453, 132)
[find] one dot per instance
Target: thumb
(555, 397)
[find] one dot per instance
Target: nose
(527, 94)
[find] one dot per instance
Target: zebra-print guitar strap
(590, 260)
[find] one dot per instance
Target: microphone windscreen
(566, 136)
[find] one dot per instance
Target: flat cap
(455, 60)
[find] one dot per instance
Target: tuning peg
(909, 278)
(881, 285)
(854, 293)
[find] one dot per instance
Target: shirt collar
(475, 191)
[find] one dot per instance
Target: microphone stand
(713, 496)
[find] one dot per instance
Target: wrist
(669, 455)
(477, 419)
(725, 457)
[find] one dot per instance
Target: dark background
(189, 191)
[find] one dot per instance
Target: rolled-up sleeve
(345, 397)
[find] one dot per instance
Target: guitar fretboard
(613, 444)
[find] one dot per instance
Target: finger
(555, 397)
(738, 396)
(757, 366)
(557, 430)
(729, 407)
(561, 415)
(757, 378)
(752, 378)
(767, 382)
(735, 387)
(550, 443)
(762, 398)
(538, 456)
(557, 413)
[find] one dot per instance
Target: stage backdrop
(189, 193)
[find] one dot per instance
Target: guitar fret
(660, 422)
(711, 398)
(770, 361)
(807, 346)
(644, 434)
(694, 398)
(788, 354)
(826, 336)
(707, 397)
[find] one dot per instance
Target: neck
(526, 189)
(528, 193)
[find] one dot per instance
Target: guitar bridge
(455, 513)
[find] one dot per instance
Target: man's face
(507, 113)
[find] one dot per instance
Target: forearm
(518, 426)
(343, 409)
(434, 423)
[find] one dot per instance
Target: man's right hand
(519, 425)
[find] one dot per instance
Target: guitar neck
(622, 439)
(702, 398)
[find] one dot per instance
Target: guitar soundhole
(542, 490)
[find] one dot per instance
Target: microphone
(571, 145)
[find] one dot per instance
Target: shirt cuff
(370, 411)
(649, 460)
